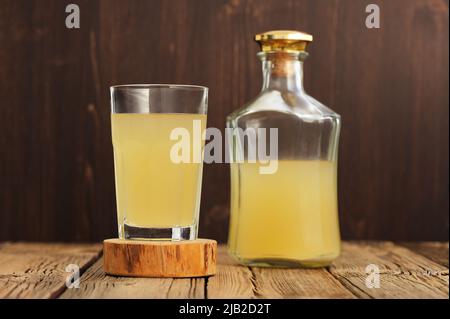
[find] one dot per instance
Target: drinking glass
(158, 158)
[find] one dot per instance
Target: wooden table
(407, 270)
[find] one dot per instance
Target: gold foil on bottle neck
(282, 46)
(283, 41)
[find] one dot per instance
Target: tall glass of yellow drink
(158, 195)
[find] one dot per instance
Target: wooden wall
(390, 86)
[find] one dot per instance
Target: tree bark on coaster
(139, 258)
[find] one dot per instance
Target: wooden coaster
(139, 258)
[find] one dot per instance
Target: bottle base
(278, 262)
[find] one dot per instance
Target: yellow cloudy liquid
(152, 191)
(286, 218)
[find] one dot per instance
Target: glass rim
(159, 86)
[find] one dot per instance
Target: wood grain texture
(96, 284)
(232, 280)
(298, 283)
(236, 281)
(390, 86)
(435, 251)
(136, 258)
(39, 270)
(403, 273)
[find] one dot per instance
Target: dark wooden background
(390, 86)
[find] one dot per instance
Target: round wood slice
(139, 258)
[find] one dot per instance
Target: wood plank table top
(406, 270)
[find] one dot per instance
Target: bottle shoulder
(298, 104)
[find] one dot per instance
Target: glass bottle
(287, 217)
